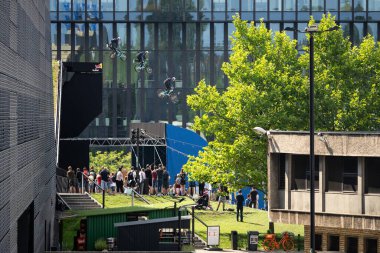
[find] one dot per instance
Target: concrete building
(347, 187)
(27, 145)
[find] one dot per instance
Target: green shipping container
(101, 226)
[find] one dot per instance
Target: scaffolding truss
(153, 142)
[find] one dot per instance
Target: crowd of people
(153, 180)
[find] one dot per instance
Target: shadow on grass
(257, 224)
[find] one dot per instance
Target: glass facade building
(188, 39)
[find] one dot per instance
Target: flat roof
(325, 132)
(126, 210)
(144, 222)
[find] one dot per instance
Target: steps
(199, 243)
(77, 201)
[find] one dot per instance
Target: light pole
(311, 30)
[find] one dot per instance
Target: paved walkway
(240, 251)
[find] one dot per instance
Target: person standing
(104, 173)
(132, 178)
(239, 206)
(165, 181)
(254, 197)
(91, 180)
(78, 181)
(148, 175)
(223, 192)
(85, 179)
(119, 180)
(112, 183)
(183, 182)
(154, 179)
(142, 178)
(71, 179)
(159, 179)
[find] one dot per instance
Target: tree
(269, 87)
(110, 159)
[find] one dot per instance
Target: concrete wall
(347, 203)
(330, 144)
(27, 146)
(372, 204)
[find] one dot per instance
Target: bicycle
(117, 52)
(173, 97)
(286, 242)
(145, 66)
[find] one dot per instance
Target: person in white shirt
(142, 178)
(119, 180)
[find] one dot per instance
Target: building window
(358, 33)
(301, 172)
(372, 175)
(318, 242)
(233, 5)
(333, 243)
(352, 245)
(275, 5)
(359, 5)
(345, 5)
(370, 245)
(303, 5)
(332, 5)
(317, 5)
(261, 5)
(374, 5)
(281, 172)
(289, 5)
(372, 29)
(219, 5)
(247, 5)
(342, 173)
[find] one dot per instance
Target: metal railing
(103, 191)
(63, 202)
(184, 207)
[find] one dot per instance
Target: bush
(100, 244)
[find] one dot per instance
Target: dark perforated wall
(27, 146)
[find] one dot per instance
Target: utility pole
(137, 135)
(138, 147)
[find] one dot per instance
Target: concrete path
(240, 251)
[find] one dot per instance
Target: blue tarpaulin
(180, 143)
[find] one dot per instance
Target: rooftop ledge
(326, 213)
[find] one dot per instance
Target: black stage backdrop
(81, 103)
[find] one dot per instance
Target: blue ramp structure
(180, 143)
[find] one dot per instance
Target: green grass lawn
(254, 220)
(70, 227)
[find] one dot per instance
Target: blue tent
(180, 143)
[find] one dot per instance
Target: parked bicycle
(286, 242)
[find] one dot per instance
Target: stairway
(78, 201)
(199, 243)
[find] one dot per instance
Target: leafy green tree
(110, 159)
(269, 87)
